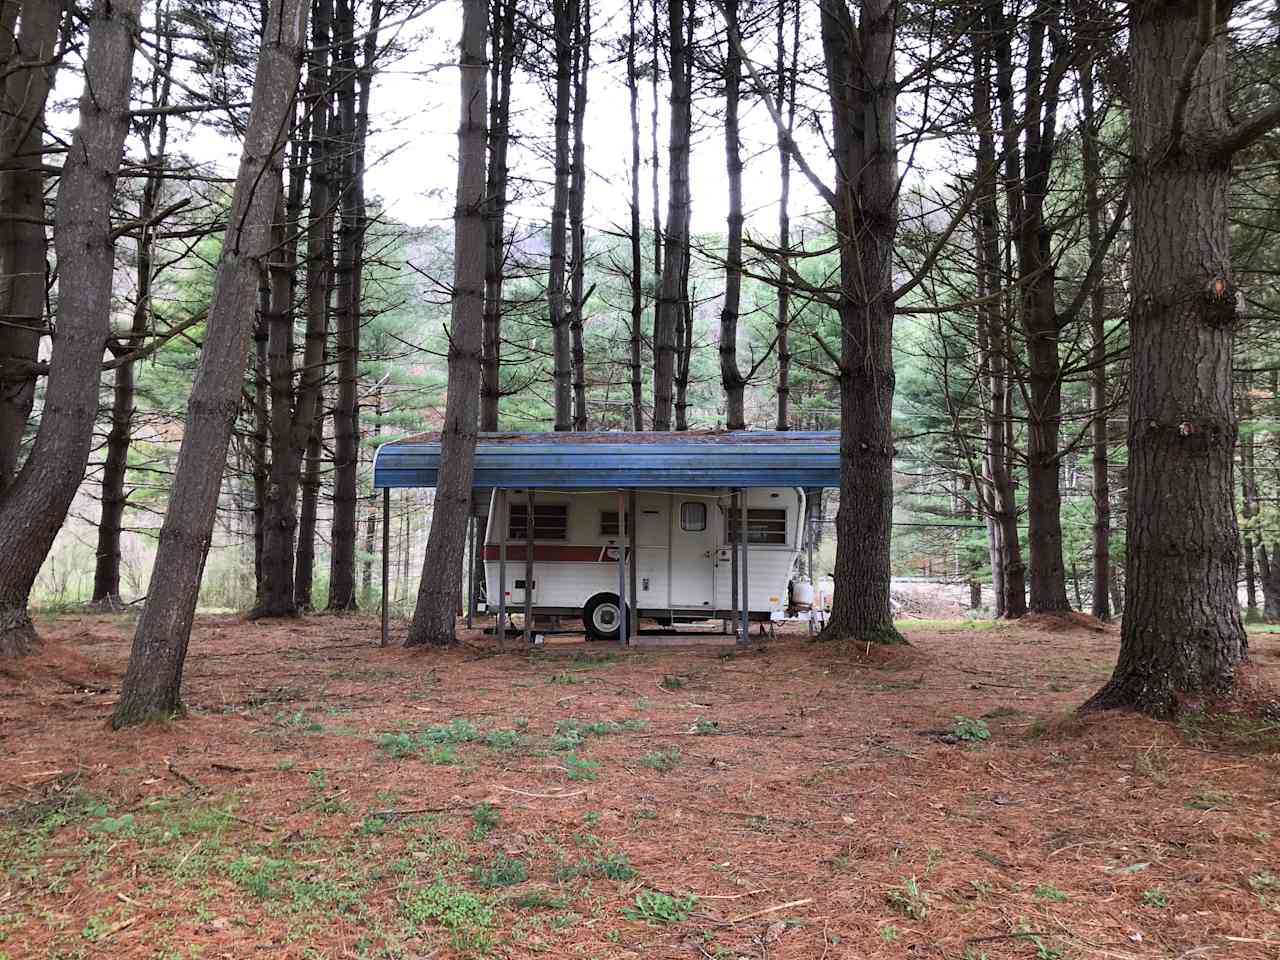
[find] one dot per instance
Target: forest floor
(324, 797)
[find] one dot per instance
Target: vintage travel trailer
(683, 556)
(652, 523)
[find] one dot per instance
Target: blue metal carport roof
(624, 460)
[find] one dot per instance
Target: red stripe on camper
(555, 553)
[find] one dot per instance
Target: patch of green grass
(566, 679)
(968, 730)
(467, 917)
(571, 732)
(588, 659)
(501, 871)
(888, 933)
(256, 875)
(540, 898)
(670, 681)
(909, 899)
(704, 727)
(643, 813)
(299, 722)
(603, 866)
(663, 761)
(655, 907)
(1155, 897)
(317, 780)
(124, 826)
(581, 768)
(484, 818)
(502, 740)
(1047, 891)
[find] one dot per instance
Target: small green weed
(888, 933)
(466, 916)
(968, 730)
(122, 826)
(1047, 891)
(565, 679)
(502, 871)
(1154, 897)
(663, 761)
(909, 900)
(670, 681)
(654, 906)
(485, 818)
(704, 727)
(580, 768)
(538, 899)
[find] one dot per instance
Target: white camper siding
(676, 569)
(768, 565)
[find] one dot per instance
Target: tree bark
(153, 680)
(666, 322)
(786, 96)
(294, 409)
(862, 87)
(565, 14)
(346, 414)
(637, 281)
(30, 64)
(35, 505)
(106, 576)
(440, 588)
(577, 202)
(730, 376)
(304, 568)
(1181, 635)
(502, 59)
(1101, 486)
(1029, 148)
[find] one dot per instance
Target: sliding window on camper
(550, 521)
(763, 526)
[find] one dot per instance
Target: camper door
(693, 551)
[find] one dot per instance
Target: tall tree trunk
(1028, 166)
(502, 60)
(565, 14)
(577, 202)
(730, 376)
(319, 279)
(441, 584)
(294, 409)
(371, 520)
(304, 568)
(1181, 634)
(1008, 573)
(861, 83)
(786, 100)
(637, 281)
(22, 234)
(654, 157)
(1248, 499)
(667, 319)
(153, 680)
(106, 576)
(35, 505)
(1101, 487)
(346, 427)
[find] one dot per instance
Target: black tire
(601, 617)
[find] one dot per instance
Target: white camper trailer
(680, 559)
(683, 557)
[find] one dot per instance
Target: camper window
(763, 526)
(693, 516)
(550, 521)
(609, 523)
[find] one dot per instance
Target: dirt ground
(324, 797)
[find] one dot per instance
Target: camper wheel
(602, 617)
